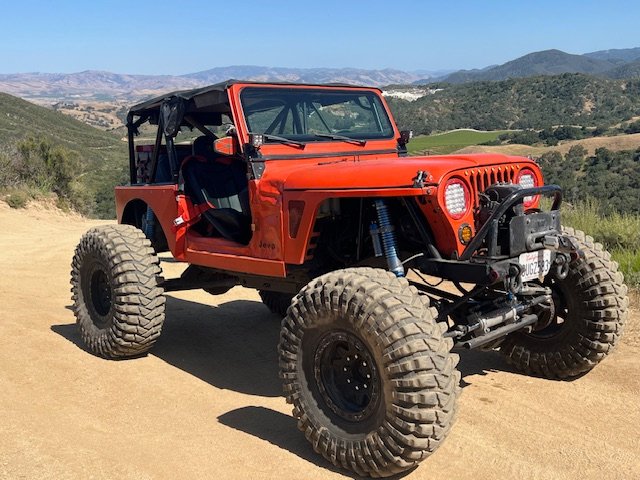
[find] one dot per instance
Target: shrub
(17, 199)
(633, 127)
(38, 164)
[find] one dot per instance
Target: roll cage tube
(132, 131)
(156, 152)
(170, 119)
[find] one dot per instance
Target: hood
(392, 172)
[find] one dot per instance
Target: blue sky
(162, 37)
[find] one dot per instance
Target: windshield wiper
(276, 138)
(341, 137)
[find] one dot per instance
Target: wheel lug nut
(364, 364)
(348, 359)
(357, 388)
(365, 385)
(348, 380)
(368, 376)
(344, 369)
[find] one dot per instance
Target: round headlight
(456, 198)
(528, 179)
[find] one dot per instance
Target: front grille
(482, 178)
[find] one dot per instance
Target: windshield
(315, 115)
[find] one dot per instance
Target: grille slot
(482, 178)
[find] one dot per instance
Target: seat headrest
(203, 146)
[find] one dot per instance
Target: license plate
(535, 265)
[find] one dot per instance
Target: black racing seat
(221, 182)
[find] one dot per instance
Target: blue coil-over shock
(384, 231)
(149, 223)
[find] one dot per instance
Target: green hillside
(538, 102)
(451, 141)
(547, 62)
(102, 156)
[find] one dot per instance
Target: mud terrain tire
(118, 304)
(276, 302)
(593, 301)
(379, 323)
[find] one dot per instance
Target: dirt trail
(206, 403)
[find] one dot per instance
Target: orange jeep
(306, 193)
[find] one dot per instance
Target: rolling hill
(627, 70)
(20, 118)
(605, 63)
(537, 102)
(548, 62)
(305, 75)
(616, 54)
(103, 155)
(101, 86)
(106, 86)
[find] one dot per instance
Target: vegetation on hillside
(551, 62)
(602, 198)
(45, 151)
(39, 167)
(451, 141)
(551, 136)
(536, 103)
(611, 178)
(617, 232)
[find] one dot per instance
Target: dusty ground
(206, 402)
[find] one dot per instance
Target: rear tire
(118, 305)
(591, 309)
(372, 381)
(276, 302)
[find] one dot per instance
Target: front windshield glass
(314, 115)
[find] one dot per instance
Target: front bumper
(493, 254)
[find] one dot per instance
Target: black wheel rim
(98, 293)
(346, 376)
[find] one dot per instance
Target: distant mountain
(461, 76)
(106, 86)
(547, 62)
(99, 86)
(89, 85)
(616, 54)
(305, 75)
(627, 70)
(432, 73)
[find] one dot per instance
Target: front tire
(590, 311)
(118, 305)
(370, 376)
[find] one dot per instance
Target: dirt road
(206, 402)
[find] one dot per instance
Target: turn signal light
(465, 233)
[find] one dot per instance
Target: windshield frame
(379, 108)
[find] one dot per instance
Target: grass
(617, 232)
(614, 143)
(448, 142)
(103, 155)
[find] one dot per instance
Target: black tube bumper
(526, 233)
